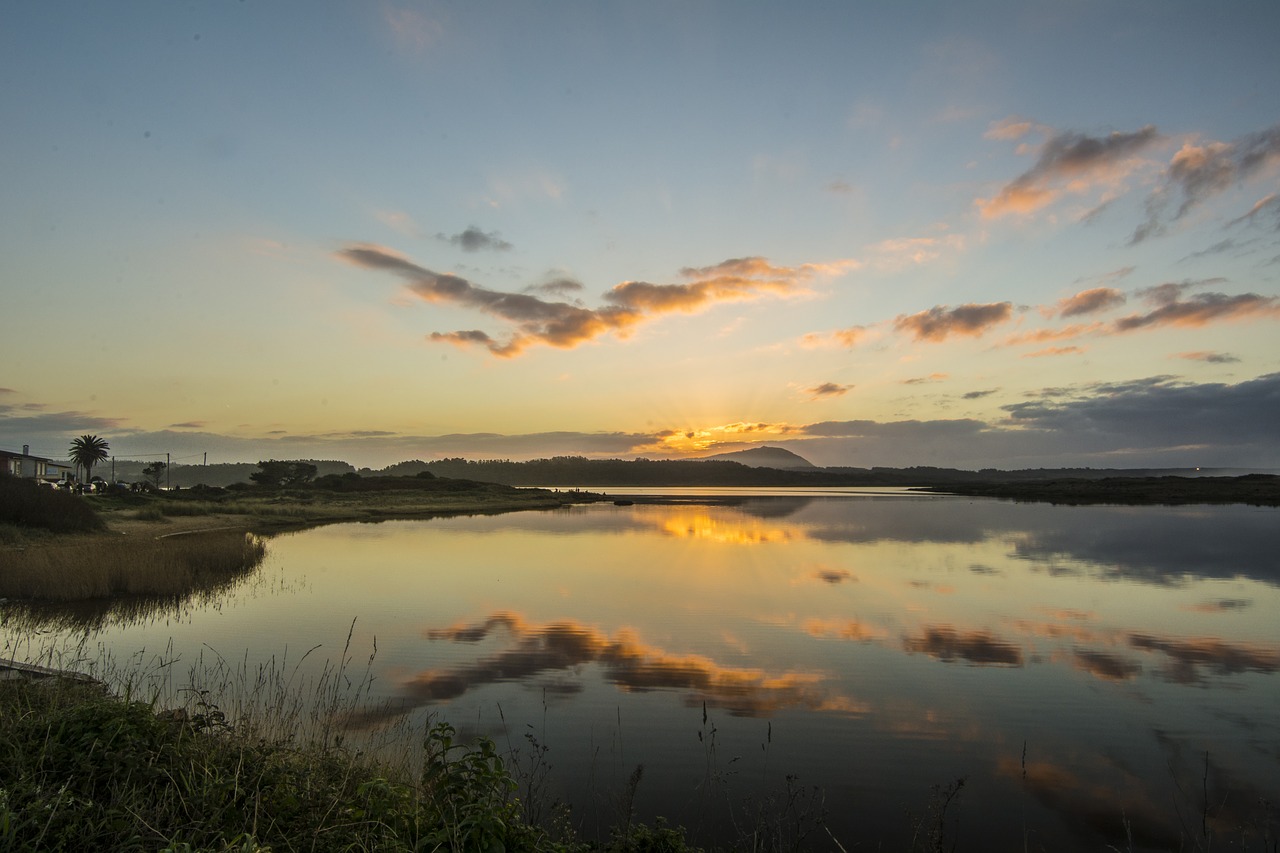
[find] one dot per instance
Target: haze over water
(1082, 668)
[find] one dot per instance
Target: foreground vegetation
(82, 770)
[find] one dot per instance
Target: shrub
(27, 504)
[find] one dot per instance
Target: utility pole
(206, 458)
(167, 484)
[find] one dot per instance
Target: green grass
(83, 770)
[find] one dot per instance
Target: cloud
(1066, 333)
(847, 338)
(475, 240)
(559, 286)
(947, 644)
(1009, 129)
(978, 395)
(17, 421)
(1190, 660)
(626, 662)
(925, 380)
(1158, 411)
(412, 29)
(1105, 666)
(844, 629)
(1221, 605)
(560, 324)
(1216, 249)
(1200, 171)
(1268, 206)
(1052, 351)
(1091, 301)
(942, 322)
(1068, 162)
(833, 576)
(1208, 357)
(398, 220)
(188, 425)
(827, 389)
(1200, 310)
(903, 252)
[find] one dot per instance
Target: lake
(1094, 675)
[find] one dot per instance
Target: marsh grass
(110, 567)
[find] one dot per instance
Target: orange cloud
(628, 663)
(1068, 162)
(842, 337)
(844, 629)
(1066, 333)
(941, 322)
(1052, 351)
(1198, 172)
(1090, 301)
(1201, 309)
(535, 320)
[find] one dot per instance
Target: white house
(35, 467)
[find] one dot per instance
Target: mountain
(762, 457)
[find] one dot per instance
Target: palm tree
(87, 451)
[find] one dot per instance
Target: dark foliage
(283, 473)
(24, 503)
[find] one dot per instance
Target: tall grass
(103, 568)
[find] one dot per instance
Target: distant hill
(762, 457)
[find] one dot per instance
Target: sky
(987, 234)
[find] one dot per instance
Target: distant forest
(570, 471)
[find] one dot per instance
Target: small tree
(281, 473)
(155, 472)
(87, 451)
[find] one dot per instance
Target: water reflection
(1060, 658)
(625, 662)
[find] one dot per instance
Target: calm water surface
(1092, 673)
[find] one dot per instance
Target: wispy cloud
(1199, 310)
(846, 338)
(1068, 162)
(412, 29)
(827, 390)
(924, 380)
(472, 239)
(942, 322)
(1268, 206)
(1054, 351)
(903, 252)
(533, 320)
(1200, 171)
(1208, 357)
(1092, 301)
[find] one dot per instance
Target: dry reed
(104, 568)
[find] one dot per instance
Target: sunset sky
(1011, 234)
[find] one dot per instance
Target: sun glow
(730, 531)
